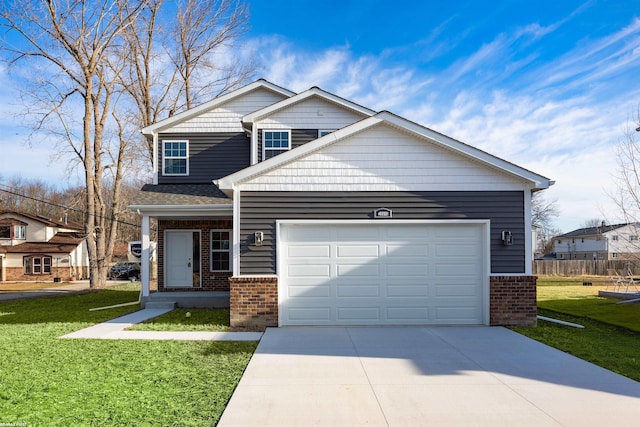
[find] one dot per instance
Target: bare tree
(69, 45)
(626, 192)
(543, 211)
(93, 75)
(174, 64)
(592, 223)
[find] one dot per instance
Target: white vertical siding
(227, 117)
(383, 159)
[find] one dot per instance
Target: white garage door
(381, 273)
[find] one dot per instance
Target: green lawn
(611, 337)
(52, 381)
(192, 319)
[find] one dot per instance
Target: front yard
(611, 337)
(52, 381)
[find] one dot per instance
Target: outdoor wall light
(258, 238)
(507, 238)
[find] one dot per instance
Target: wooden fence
(584, 267)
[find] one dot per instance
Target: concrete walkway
(415, 376)
(115, 330)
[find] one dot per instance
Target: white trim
(438, 139)
(154, 161)
(145, 256)
(169, 141)
(236, 232)
(528, 235)
(254, 145)
(193, 112)
(229, 250)
(486, 244)
(183, 211)
(264, 146)
(313, 92)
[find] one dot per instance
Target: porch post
(145, 256)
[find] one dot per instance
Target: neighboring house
(309, 209)
(606, 242)
(36, 248)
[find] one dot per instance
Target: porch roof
(179, 195)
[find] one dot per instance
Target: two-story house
(37, 248)
(309, 209)
(605, 242)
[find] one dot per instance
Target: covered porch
(193, 227)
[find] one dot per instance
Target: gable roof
(310, 93)
(591, 231)
(537, 181)
(45, 220)
(186, 115)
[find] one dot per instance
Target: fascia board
(188, 210)
(539, 182)
(314, 91)
(230, 181)
(185, 115)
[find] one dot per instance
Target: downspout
(528, 252)
(236, 231)
(155, 158)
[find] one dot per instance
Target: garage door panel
(406, 251)
(308, 251)
(419, 269)
(353, 270)
(309, 314)
(357, 251)
(357, 291)
(404, 290)
(365, 314)
(376, 274)
(309, 270)
(313, 291)
(408, 313)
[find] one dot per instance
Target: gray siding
(260, 210)
(211, 156)
(298, 137)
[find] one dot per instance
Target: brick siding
(16, 274)
(512, 301)
(210, 281)
(253, 302)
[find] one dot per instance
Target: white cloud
(549, 117)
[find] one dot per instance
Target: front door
(182, 258)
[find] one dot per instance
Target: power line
(84, 212)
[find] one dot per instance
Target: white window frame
(43, 263)
(164, 158)
(264, 142)
(325, 132)
(229, 250)
(20, 235)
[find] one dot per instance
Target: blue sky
(548, 85)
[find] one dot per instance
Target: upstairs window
(614, 237)
(5, 231)
(323, 132)
(275, 142)
(175, 158)
(20, 232)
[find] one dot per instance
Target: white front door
(179, 258)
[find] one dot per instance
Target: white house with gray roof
(605, 242)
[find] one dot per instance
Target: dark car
(125, 270)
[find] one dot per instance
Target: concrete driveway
(418, 376)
